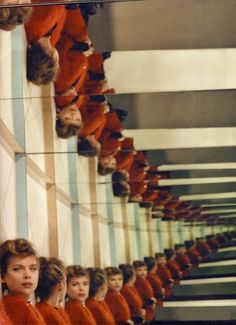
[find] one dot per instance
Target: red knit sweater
(118, 306)
(174, 268)
(75, 25)
(156, 284)
(145, 290)
(79, 315)
(21, 312)
(42, 20)
(4, 319)
(73, 65)
(94, 119)
(109, 146)
(165, 276)
(133, 299)
(52, 315)
(96, 62)
(101, 312)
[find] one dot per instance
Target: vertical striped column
(19, 131)
(50, 171)
(191, 231)
(150, 232)
(74, 195)
(126, 231)
(138, 232)
(159, 234)
(202, 231)
(170, 233)
(95, 220)
(111, 229)
(180, 232)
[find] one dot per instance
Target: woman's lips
(27, 284)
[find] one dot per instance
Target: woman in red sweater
(173, 266)
(164, 274)
(154, 280)
(77, 292)
(19, 273)
(43, 31)
(51, 291)
(96, 303)
(116, 302)
(182, 259)
(144, 289)
(131, 294)
(14, 16)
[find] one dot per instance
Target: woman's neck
(99, 296)
(53, 301)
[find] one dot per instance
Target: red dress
(100, 311)
(118, 306)
(42, 20)
(79, 315)
(145, 290)
(21, 312)
(133, 299)
(52, 315)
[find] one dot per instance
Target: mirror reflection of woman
(13, 16)
(43, 32)
(77, 293)
(51, 291)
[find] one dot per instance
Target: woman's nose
(73, 108)
(27, 274)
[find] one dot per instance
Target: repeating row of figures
(168, 70)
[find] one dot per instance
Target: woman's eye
(35, 268)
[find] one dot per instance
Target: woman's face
(108, 162)
(78, 289)
(70, 115)
(141, 272)
(22, 275)
(115, 282)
